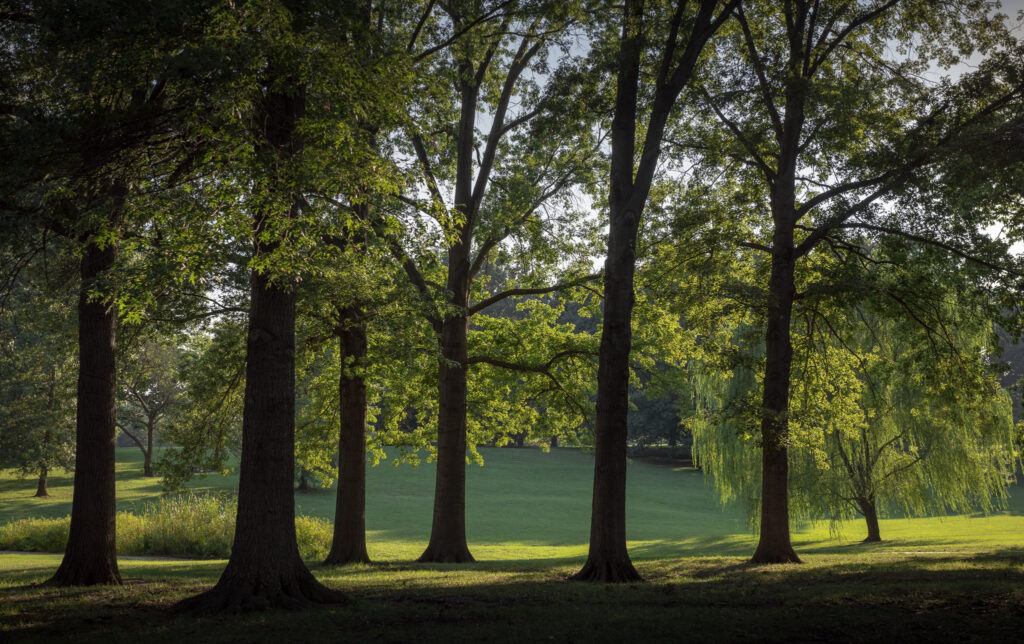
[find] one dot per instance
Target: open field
(530, 505)
(949, 578)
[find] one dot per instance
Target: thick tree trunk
(41, 484)
(774, 545)
(608, 560)
(870, 511)
(265, 569)
(448, 532)
(349, 544)
(90, 557)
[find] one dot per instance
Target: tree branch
(762, 78)
(846, 31)
(515, 292)
(522, 59)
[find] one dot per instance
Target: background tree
(149, 392)
(784, 89)
(37, 389)
(485, 191)
(887, 419)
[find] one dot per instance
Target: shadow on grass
(699, 599)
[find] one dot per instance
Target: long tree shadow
(725, 599)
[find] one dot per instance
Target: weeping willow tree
(888, 419)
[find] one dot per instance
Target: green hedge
(187, 525)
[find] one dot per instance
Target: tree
(37, 387)
(207, 426)
(150, 391)
(86, 105)
(298, 62)
(482, 192)
(937, 434)
(782, 92)
(885, 418)
(630, 179)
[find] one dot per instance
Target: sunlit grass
(528, 505)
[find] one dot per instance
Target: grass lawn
(940, 578)
(863, 597)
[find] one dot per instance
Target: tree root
(608, 572)
(236, 593)
(345, 558)
(77, 574)
(435, 554)
(784, 555)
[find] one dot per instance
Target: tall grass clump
(184, 525)
(35, 535)
(200, 526)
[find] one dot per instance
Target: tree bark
(41, 484)
(265, 569)
(90, 557)
(147, 457)
(608, 559)
(448, 531)
(349, 544)
(774, 545)
(870, 511)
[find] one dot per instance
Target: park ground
(936, 578)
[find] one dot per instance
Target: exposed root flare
(434, 554)
(346, 558)
(775, 556)
(608, 572)
(103, 575)
(235, 595)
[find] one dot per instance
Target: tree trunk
(41, 484)
(147, 455)
(870, 511)
(608, 559)
(448, 532)
(90, 557)
(774, 545)
(349, 544)
(265, 569)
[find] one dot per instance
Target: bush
(314, 536)
(188, 525)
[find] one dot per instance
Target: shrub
(314, 536)
(187, 525)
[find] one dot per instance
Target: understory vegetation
(187, 525)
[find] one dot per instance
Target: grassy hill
(525, 504)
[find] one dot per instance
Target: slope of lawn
(525, 504)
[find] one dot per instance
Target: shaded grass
(939, 578)
(866, 597)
